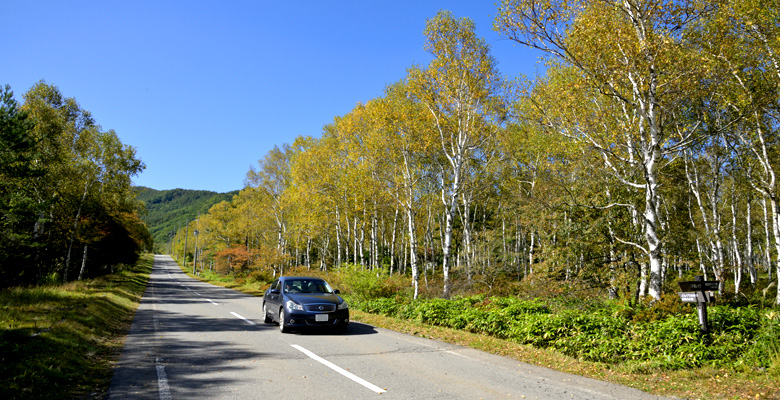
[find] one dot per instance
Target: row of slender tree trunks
(391, 243)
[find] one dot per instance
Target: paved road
(192, 340)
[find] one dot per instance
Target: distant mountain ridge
(168, 210)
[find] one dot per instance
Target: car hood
(309, 298)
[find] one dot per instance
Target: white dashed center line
(340, 370)
(245, 320)
(162, 381)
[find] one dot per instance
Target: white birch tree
(460, 88)
(629, 52)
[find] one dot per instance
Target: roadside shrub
(764, 354)
(532, 329)
(669, 304)
(383, 306)
(260, 276)
(512, 307)
(436, 311)
(642, 340)
(492, 323)
(366, 284)
(675, 342)
(468, 319)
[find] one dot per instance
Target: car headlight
(343, 306)
(294, 306)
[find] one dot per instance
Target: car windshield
(306, 286)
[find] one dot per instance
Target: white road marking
(454, 353)
(340, 370)
(162, 381)
(238, 316)
(209, 300)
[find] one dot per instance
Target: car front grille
(320, 307)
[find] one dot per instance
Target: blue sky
(204, 89)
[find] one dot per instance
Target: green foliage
(669, 304)
(740, 337)
(167, 210)
(362, 284)
(66, 209)
(18, 149)
(765, 352)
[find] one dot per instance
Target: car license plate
(321, 317)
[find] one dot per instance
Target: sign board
(689, 297)
(695, 297)
(698, 292)
(692, 286)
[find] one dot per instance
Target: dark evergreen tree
(18, 208)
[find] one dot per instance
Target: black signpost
(698, 292)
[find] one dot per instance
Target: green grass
(62, 341)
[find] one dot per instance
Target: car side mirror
(336, 291)
(274, 291)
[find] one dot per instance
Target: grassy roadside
(62, 341)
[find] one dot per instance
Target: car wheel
(282, 324)
(266, 318)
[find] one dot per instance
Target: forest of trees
(67, 210)
(167, 210)
(646, 153)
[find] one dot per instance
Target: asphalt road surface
(193, 340)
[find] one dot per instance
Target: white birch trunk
(83, 263)
(466, 221)
(392, 241)
(413, 251)
(737, 256)
(451, 206)
(767, 245)
(776, 232)
(749, 243)
(374, 239)
(338, 237)
(531, 254)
